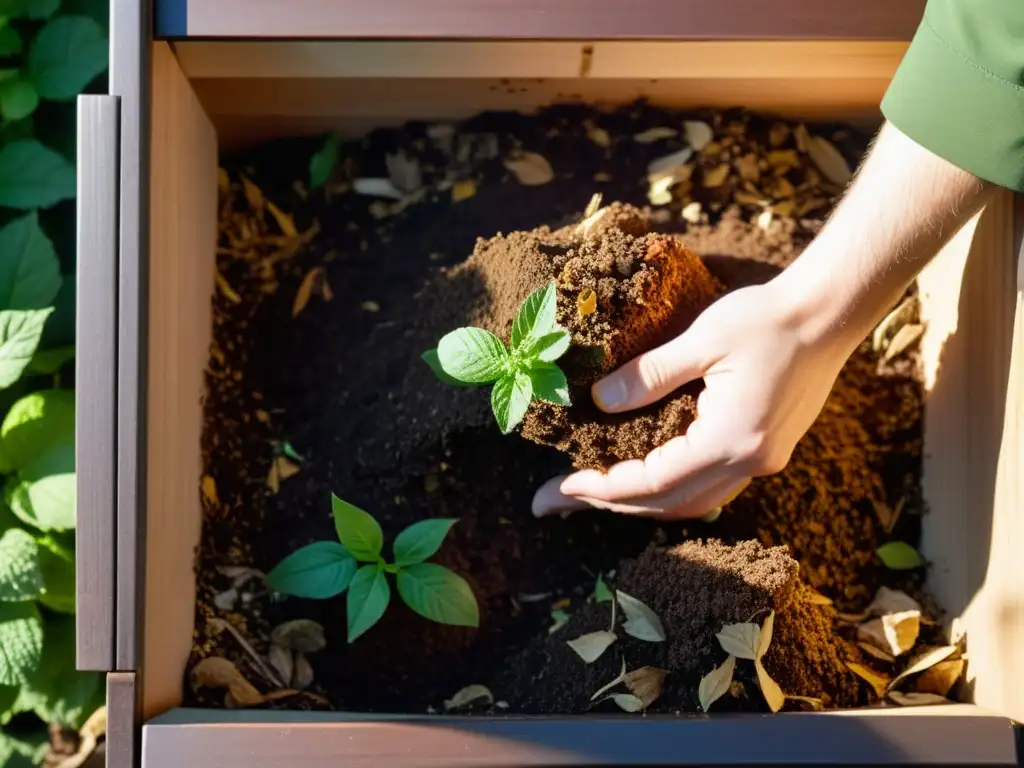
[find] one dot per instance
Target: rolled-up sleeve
(959, 90)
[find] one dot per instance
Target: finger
(713, 500)
(651, 376)
(549, 500)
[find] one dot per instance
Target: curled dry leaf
(941, 678)
(645, 683)
(765, 637)
(282, 660)
(591, 646)
(876, 652)
(652, 135)
(716, 176)
(716, 683)
(666, 164)
(915, 699)
(315, 282)
(530, 169)
(904, 337)
(926, 659)
(892, 322)
(741, 640)
(816, 598)
(593, 205)
(809, 703)
(901, 630)
(830, 162)
(588, 223)
(698, 134)
(284, 221)
(302, 673)
(691, 212)
(771, 691)
(281, 468)
(641, 622)
(803, 138)
(253, 196)
(598, 135)
(226, 600)
(463, 190)
(218, 672)
(608, 686)
(627, 702)
(209, 488)
(876, 680)
(225, 287)
(300, 635)
(586, 302)
(471, 694)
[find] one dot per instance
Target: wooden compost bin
(222, 73)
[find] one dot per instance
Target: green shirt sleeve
(959, 91)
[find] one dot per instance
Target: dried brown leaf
(592, 645)
(657, 133)
(530, 169)
(892, 322)
(300, 635)
(876, 652)
(306, 289)
(282, 660)
(716, 176)
(220, 625)
(925, 659)
(273, 478)
(778, 134)
(741, 640)
(716, 683)
(904, 337)
(829, 161)
(771, 691)
(218, 672)
(586, 302)
(747, 167)
(209, 487)
(941, 678)
(284, 221)
(809, 703)
(225, 287)
(876, 680)
(253, 196)
(471, 694)
(915, 699)
(286, 467)
(645, 683)
(302, 672)
(901, 630)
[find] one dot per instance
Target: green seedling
(324, 569)
(526, 372)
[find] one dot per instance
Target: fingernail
(610, 392)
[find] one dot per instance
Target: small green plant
(473, 356)
(324, 569)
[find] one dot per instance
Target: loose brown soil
(342, 383)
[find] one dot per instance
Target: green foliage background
(50, 51)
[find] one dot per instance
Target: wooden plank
(973, 350)
(960, 735)
(183, 240)
(122, 729)
(96, 382)
(543, 19)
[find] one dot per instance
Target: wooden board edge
(122, 721)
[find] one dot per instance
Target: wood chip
(530, 169)
(471, 694)
(904, 337)
(657, 133)
(747, 167)
(941, 678)
(716, 176)
(300, 635)
(876, 680)
(716, 683)
(829, 161)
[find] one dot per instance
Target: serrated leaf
(368, 598)
(536, 315)
(34, 176)
(324, 161)
(741, 640)
(549, 347)
(773, 695)
(431, 359)
(319, 570)
(641, 622)
(899, 556)
(357, 530)
(592, 645)
(435, 593)
(56, 691)
(472, 355)
(18, 97)
(510, 398)
(21, 642)
(20, 575)
(66, 55)
(926, 659)
(549, 383)
(20, 332)
(29, 267)
(21, 753)
(421, 540)
(715, 684)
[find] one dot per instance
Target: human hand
(768, 369)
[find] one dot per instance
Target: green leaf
(41, 9)
(601, 592)
(57, 563)
(66, 55)
(20, 574)
(421, 540)
(22, 753)
(29, 267)
(368, 598)
(550, 346)
(38, 439)
(18, 97)
(549, 383)
(324, 161)
(436, 593)
(49, 361)
(357, 530)
(472, 355)
(10, 40)
(20, 331)
(536, 317)
(34, 176)
(509, 400)
(320, 570)
(21, 642)
(899, 556)
(8, 697)
(431, 359)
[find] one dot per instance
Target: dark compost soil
(338, 379)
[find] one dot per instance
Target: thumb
(652, 375)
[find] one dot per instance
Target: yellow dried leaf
(588, 223)
(302, 674)
(209, 487)
(748, 198)
(781, 160)
(223, 181)
(660, 191)
(286, 467)
(591, 646)
(904, 337)
(598, 135)
(715, 684)
(747, 167)
(941, 678)
(218, 672)
(765, 637)
(809, 702)
(876, 652)
(741, 640)
(771, 691)
(273, 479)
(901, 630)
(698, 134)
(914, 699)
(816, 598)
(829, 161)
(877, 681)
(803, 138)
(716, 176)
(784, 208)
(657, 133)
(253, 195)
(692, 212)
(778, 134)
(471, 694)
(302, 635)
(284, 221)
(783, 188)
(306, 289)
(593, 205)
(809, 205)
(586, 302)
(262, 416)
(926, 659)
(530, 169)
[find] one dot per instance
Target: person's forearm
(904, 204)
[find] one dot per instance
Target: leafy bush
(324, 569)
(48, 55)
